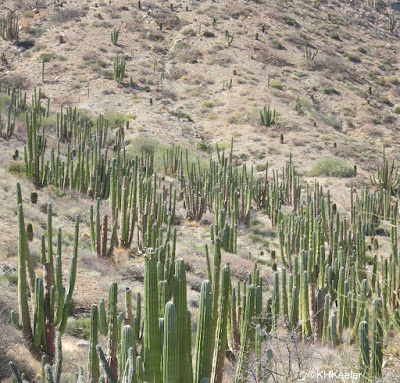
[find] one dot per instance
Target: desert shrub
(290, 21)
(17, 167)
(269, 57)
(16, 80)
(276, 85)
(331, 167)
(79, 327)
(64, 15)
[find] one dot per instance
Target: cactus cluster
(325, 278)
(50, 300)
(9, 28)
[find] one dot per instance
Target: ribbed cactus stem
(284, 296)
(377, 339)
(180, 301)
(275, 301)
(363, 346)
(325, 319)
(294, 308)
(123, 360)
(93, 359)
(242, 369)
(151, 341)
(221, 332)
(170, 363)
(112, 336)
(202, 364)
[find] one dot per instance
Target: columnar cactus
(112, 336)
(243, 360)
(221, 331)
(377, 339)
(126, 357)
(170, 360)
(363, 346)
(151, 332)
(93, 360)
(41, 340)
(180, 300)
(202, 362)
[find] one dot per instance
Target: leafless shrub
(190, 56)
(269, 57)
(169, 94)
(237, 11)
(63, 15)
(330, 62)
(103, 266)
(374, 131)
(164, 16)
(29, 4)
(90, 56)
(16, 80)
(177, 72)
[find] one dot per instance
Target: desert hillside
(208, 190)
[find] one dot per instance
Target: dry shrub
(164, 16)
(177, 72)
(189, 56)
(29, 4)
(374, 131)
(237, 11)
(269, 57)
(330, 62)
(16, 80)
(64, 15)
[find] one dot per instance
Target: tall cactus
(112, 336)
(50, 309)
(363, 346)
(93, 360)
(202, 363)
(180, 301)
(221, 332)
(170, 362)
(151, 336)
(243, 359)
(377, 339)
(126, 357)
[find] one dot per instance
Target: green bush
(17, 168)
(79, 328)
(331, 167)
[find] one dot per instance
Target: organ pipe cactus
(267, 116)
(126, 357)
(151, 335)
(221, 331)
(180, 301)
(50, 311)
(9, 29)
(363, 346)
(119, 69)
(377, 339)
(170, 360)
(99, 233)
(112, 336)
(202, 363)
(93, 360)
(243, 359)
